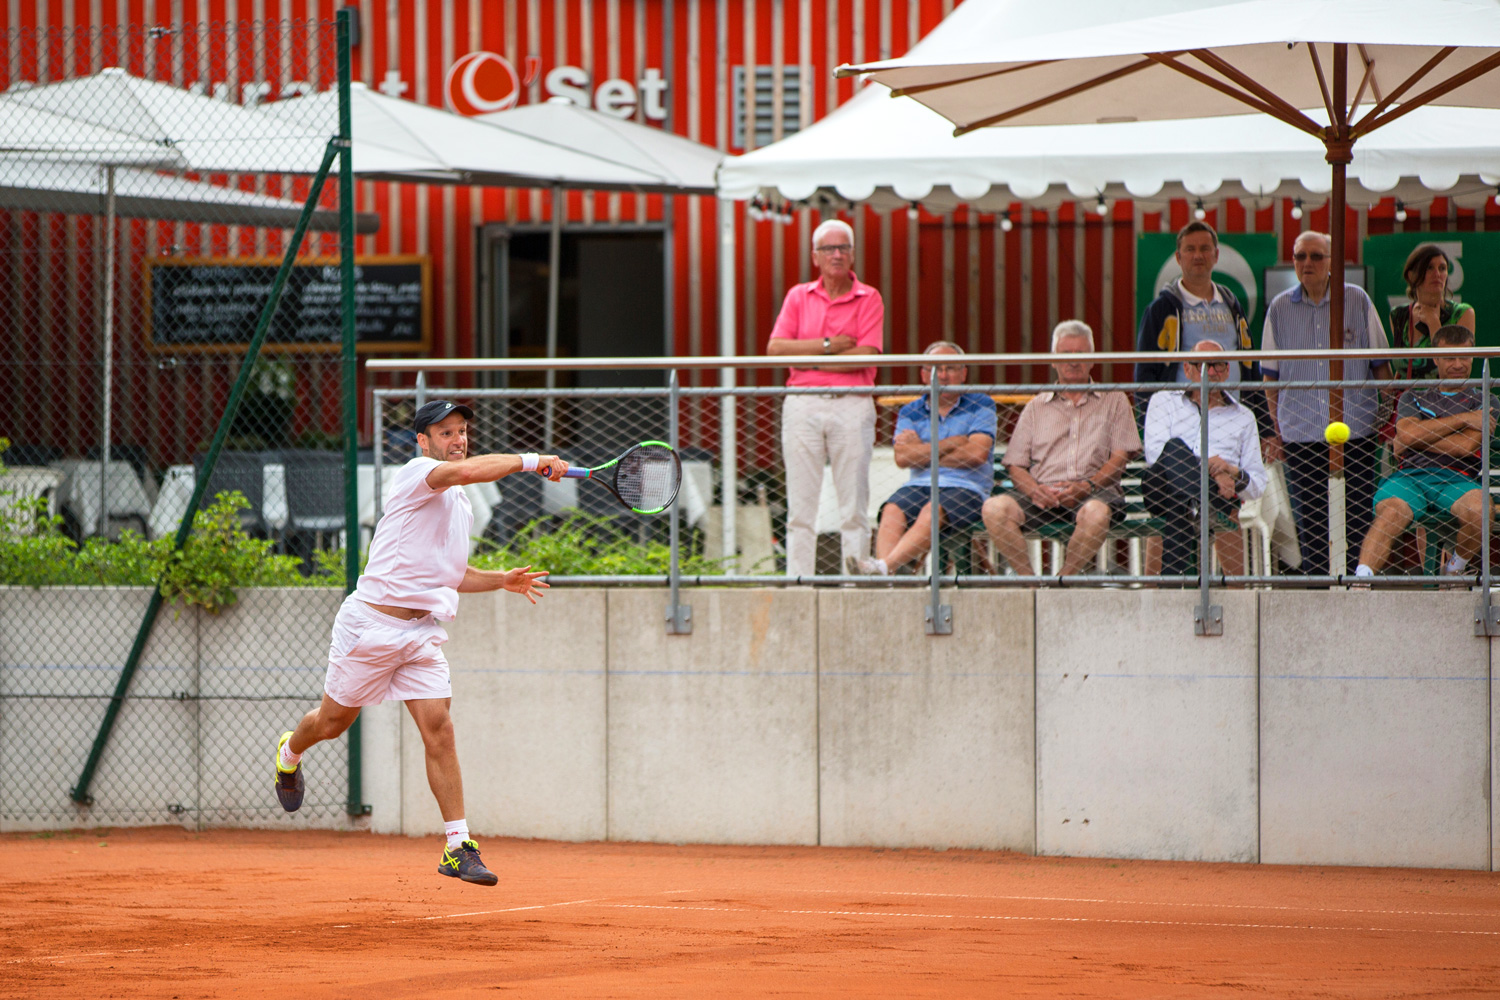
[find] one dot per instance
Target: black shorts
(1034, 518)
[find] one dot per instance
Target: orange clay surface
(165, 913)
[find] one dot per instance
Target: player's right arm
(488, 468)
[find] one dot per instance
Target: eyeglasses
(1316, 258)
(1217, 366)
(835, 248)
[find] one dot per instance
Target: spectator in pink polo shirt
(835, 315)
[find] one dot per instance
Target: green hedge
(220, 558)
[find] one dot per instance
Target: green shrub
(217, 560)
(580, 545)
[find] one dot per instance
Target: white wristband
(529, 461)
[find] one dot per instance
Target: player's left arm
(518, 581)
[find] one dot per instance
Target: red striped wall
(954, 276)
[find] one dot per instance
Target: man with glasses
(834, 315)
(1298, 319)
(1171, 483)
(966, 469)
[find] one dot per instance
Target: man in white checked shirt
(1173, 438)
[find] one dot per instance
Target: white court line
(1145, 902)
(518, 909)
(1059, 920)
(59, 959)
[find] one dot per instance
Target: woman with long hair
(1432, 306)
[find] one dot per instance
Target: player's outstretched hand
(524, 582)
(552, 467)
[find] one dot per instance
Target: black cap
(434, 410)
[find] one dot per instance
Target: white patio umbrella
(114, 120)
(680, 165)
(1004, 62)
(78, 188)
(891, 153)
(455, 149)
(478, 152)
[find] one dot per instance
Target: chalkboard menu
(213, 305)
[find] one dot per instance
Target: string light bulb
(1400, 210)
(1297, 209)
(1101, 207)
(912, 211)
(1199, 212)
(1006, 225)
(1497, 196)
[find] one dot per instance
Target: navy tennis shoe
(289, 784)
(464, 863)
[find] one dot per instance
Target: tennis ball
(1336, 432)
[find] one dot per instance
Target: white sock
(289, 760)
(881, 568)
(1363, 570)
(457, 832)
(1456, 564)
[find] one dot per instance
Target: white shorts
(374, 658)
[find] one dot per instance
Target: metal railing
(732, 430)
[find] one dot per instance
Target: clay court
(166, 913)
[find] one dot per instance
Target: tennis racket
(645, 478)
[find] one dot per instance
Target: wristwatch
(1241, 481)
(827, 345)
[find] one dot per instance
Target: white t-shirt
(421, 545)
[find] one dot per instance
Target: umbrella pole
(106, 431)
(1339, 153)
(554, 265)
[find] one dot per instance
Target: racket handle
(577, 472)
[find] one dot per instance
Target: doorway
(611, 303)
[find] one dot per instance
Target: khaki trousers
(838, 431)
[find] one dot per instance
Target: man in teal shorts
(1438, 436)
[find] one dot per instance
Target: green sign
(1243, 259)
(1386, 255)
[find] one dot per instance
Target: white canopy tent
(890, 153)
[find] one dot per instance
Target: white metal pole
(554, 267)
(728, 439)
(106, 430)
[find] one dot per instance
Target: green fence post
(350, 375)
(80, 791)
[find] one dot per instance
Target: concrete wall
(713, 736)
(1323, 727)
(529, 713)
(191, 743)
(1146, 733)
(926, 741)
(1375, 730)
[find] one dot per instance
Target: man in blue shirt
(966, 471)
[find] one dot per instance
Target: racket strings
(646, 479)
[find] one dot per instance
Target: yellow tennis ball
(1336, 432)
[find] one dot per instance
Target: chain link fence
(148, 194)
(1287, 507)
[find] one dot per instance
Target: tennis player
(387, 643)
